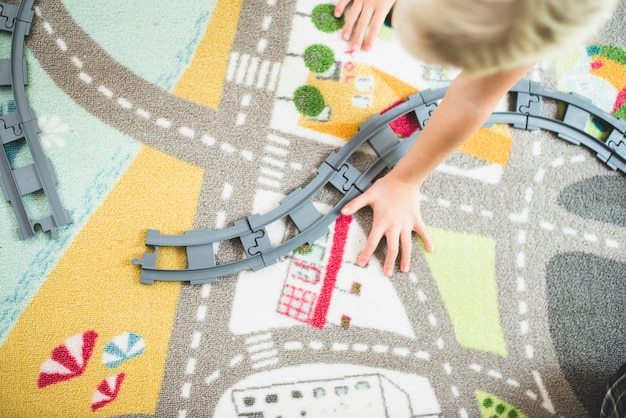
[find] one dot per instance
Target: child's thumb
(354, 205)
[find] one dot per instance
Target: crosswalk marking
(245, 69)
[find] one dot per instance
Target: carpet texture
(177, 116)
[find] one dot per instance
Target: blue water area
(154, 39)
(88, 157)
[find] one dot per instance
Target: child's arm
(363, 14)
(394, 198)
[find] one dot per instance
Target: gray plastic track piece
(21, 124)
(337, 172)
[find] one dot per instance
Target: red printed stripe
(342, 225)
(620, 101)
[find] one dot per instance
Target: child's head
(484, 36)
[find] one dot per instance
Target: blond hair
(485, 36)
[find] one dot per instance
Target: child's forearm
(468, 103)
(395, 198)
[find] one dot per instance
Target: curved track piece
(22, 125)
(350, 182)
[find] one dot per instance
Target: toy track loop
(350, 182)
(21, 124)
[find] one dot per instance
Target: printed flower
(107, 391)
(52, 130)
(68, 360)
(122, 348)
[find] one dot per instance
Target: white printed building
(372, 396)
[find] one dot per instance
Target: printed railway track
(21, 125)
(251, 232)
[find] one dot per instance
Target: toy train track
(22, 125)
(298, 206)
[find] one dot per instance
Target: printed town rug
(190, 118)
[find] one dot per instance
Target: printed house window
(304, 272)
(341, 390)
(362, 385)
(296, 303)
(363, 101)
(319, 393)
(364, 83)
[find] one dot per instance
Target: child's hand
(363, 13)
(396, 206)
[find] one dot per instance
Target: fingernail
(345, 36)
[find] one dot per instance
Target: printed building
(371, 396)
(324, 286)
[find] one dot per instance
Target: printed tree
(323, 17)
(309, 100)
(319, 58)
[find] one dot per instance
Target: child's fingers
(392, 253)
(351, 19)
(406, 243)
(378, 19)
(340, 7)
(361, 28)
(355, 205)
(420, 229)
(373, 239)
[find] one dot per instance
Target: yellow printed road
(203, 81)
(95, 287)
